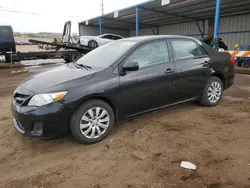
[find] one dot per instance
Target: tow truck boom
(66, 49)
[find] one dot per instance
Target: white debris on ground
(188, 165)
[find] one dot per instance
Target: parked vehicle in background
(243, 61)
(65, 49)
(7, 41)
(22, 42)
(96, 41)
(118, 81)
(17, 42)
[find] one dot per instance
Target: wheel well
(221, 77)
(109, 102)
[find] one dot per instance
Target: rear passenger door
(192, 66)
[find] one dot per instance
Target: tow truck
(66, 49)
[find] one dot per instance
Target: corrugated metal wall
(147, 31)
(235, 29)
(94, 31)
(189, 28)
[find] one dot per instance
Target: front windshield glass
(106, 55)
(100, 36)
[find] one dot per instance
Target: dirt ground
(143, 153)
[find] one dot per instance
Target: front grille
(20, 98)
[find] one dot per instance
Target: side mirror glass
(132, 66)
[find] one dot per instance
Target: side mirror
(132, 66)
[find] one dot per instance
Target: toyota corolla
(120, 80)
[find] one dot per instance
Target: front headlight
(42, 99)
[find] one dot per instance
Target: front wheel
(92, 122)
(212, 92)
(93, 44)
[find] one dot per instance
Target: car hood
(62, 77)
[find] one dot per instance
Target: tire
(245, 64)
(84, 134)
(72, 58)
(67, 60)
(216, 83)
(76, 57)
(92, 44)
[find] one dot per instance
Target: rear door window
(185, 48)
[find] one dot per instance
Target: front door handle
(169, 71)
(205, 64)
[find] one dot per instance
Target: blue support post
(100, 25)
(137, 22)
(79, 30)
(216, 20)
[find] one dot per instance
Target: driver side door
(152, 85)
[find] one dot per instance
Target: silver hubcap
(92, 44)
(94, 122)
(214, 92)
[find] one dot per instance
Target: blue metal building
(228, 19)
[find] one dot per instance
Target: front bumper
(84, 42)
(43, 122)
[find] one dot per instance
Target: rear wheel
(92, 122)
(75, 57)
(212, 92)
(245, 64)
(72, 58)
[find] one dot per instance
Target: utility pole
(102, 8)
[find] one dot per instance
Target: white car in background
(96, 41)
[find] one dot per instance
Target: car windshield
(106, 55)
(100, 36)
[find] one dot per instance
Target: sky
(50, 15)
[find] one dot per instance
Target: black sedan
(117, 81)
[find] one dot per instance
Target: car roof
(110, 34)
(155, 37)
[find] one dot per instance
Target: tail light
(233, 60)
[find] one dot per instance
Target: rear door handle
(169, 71)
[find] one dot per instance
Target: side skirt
(165, 106)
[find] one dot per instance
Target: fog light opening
(37, 129)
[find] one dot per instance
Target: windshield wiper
(81, 66)
(84, 66)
